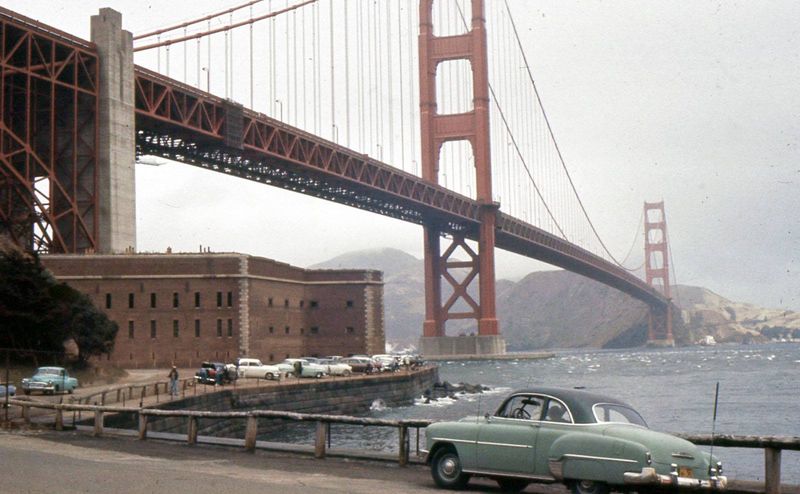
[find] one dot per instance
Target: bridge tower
(656, 253)
(436, 129)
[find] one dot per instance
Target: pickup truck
(253, 368)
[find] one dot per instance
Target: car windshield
(620, 414)
(49, 370)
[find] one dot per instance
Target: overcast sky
(693, 102)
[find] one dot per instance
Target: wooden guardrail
(322, 422)
(132, 392)
(772, 445)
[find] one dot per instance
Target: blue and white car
(12, 390)
(49, 380)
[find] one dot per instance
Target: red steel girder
(48, 136)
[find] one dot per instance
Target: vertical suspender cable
(226, 65)
(402, 99)
(167, 52)
(251, 58)
(229, 73)
(198, 64)
(377, 48)
(360, 78)
(185, 59)
(208, 61)
(334, 136)
(389, 80)
(294, 68)
(346, 72)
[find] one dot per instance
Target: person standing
(173, 381)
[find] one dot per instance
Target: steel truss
(48, 136)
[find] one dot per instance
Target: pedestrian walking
(173, 381)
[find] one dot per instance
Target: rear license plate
(685, 472)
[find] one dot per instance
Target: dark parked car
(216, 373)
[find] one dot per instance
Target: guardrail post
(26, 414)
(103, 398)
(191, 433)
(403, 435)
(772, 467)
(142, 426)
(119, 391)
(59, 419)
(250, 433)
(98, 422)
(319, 441)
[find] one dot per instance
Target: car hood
(664, 448)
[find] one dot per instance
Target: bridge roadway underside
(292, 159)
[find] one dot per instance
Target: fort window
(197, 328)
(153, 300)
(230, 299)
(313, 304)
(302, 303)
(131, 299)
(271, 357)
(130, 329)
(108, 300)
(219, 299)
(153, 329)
(271, 329)
(286, 330)
(230, 328)
(176, 301)
(130, 356)
(269, 302)
(350, 330)
(349, 304)
(197, 300)
(175, 328)
(286, 303)
(302, 331)
(314, 330)
(219, 328)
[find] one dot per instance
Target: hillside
(559, 309)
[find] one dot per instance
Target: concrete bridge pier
(116, 138)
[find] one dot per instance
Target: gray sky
(694, 102)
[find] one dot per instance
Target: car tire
(588, 487)
(26, 391)
(512, 485)
(446, 470)
(290, 374)
(346, 373)
(70, 391)
(269, 376)
(56, 389)
(318, 375)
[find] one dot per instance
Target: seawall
(336, 396)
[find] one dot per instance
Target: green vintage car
(587, 441)
(49, 380)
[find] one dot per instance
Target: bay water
(673, 389)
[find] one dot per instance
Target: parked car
(389, 363)
(49, 380)
(359, 364)
(301, 368)
(216, 373)
(587, 441)
(253, 368)
(332, 367)
(12, 390)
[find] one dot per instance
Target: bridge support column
(656, 254)
(473, 127)
(116, 136)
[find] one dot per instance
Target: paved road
(73, 462)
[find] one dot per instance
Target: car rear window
(615, 413)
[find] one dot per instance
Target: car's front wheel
(269, 376)
(446, 470)
(512, 485)
(588, 487)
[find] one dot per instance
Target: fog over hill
(560, 309)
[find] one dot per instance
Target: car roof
(580, 402)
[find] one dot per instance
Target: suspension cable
(196, 21)
(552, 136)
(225, 28)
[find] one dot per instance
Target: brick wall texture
(182, 309)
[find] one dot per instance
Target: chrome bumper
(648, 476)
